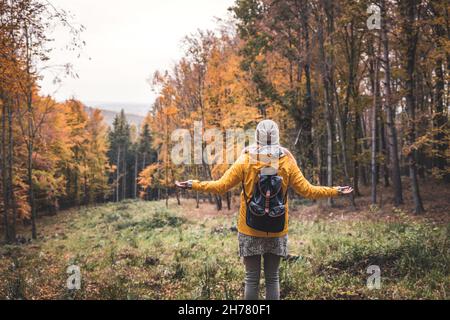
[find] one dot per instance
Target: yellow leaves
(211, 89)
(260, 57)
(156, 175)
(225, 96)
(425, 141)
(146, 177)
(20, 190)
(69, 139)
(170, 111)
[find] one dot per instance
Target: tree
(77, 119)
(410, 11)
(96, 162)
(439, 16)
(390, 109)
(119, 140)
(24, 30)
(375, 84)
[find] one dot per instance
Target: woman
(266, 158)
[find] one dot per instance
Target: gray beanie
(267, 133)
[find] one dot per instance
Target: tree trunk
(177, 194)
(30, 147)
(144, 160)
(390, 113)
(353, 54)
(362, 147)
(328, 107)
(167, 197)
(124, 180)
(135, 175)
(342, 137)
(76, 180)
(4, 178)
(217, 198)
(440, 119)
(146, 191)
(308, 99)
(118, 174)
(197, 196)
(11, 175)
(411, 35)
(382, 144)
(197, 200)
(229, 200)
(86, 189)
(375, 90)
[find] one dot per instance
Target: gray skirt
(254, 246)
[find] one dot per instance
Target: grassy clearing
(141, 250)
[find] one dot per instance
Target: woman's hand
(345, 190)
(184, 185)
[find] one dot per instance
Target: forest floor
(141, 250)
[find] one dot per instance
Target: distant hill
(139, 109)
(135, 112)
(110, 115)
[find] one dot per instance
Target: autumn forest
(359, 89)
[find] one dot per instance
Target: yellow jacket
(246, 169)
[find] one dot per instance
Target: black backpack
(266, 210)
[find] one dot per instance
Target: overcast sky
(126, 42)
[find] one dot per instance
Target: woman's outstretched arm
(302, 186)
(231, 178)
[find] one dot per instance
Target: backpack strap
(243, 190)
(286, 194)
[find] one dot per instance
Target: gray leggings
(271, 273)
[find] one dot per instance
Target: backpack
(266, 210)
